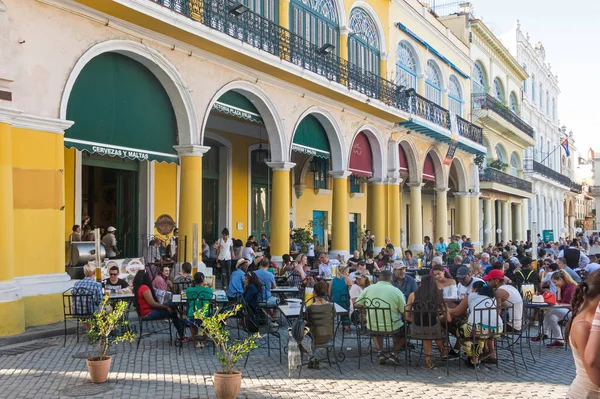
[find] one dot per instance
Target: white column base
(208, 271)
(416, 248)
(9, 291)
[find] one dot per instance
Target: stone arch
(458, 167)
(339, 154)
(166, 73)
(377, 149)
(373, 14)
(441, 179)
(414, 165)
(268, 112)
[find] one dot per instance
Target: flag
(565, 145)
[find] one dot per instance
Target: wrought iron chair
(193, 303)
(258, 321)
(425, 321)
(180, 286)
(79, 304)
(142, 321)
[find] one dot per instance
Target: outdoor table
(293, 313)
(543, 307)
(282, 291)
(219, 296)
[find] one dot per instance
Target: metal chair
(194, 302)
(142, 321)
(427, 323)
(258, 321)
(342, 299)
(78, 304)
(180, 286)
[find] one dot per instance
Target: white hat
(111, 229)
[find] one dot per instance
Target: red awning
(428, 169)
(361, 158)
(403, 161)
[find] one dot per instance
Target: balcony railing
(498, 176)
(576, 188)
(485, 101)
(264, 34)
(469, 130)
(534, 166)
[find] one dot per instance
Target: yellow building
(257, 117)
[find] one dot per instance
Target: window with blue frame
(315, 21)
(406, 65)
(363, 42)
(433, 83)
(455, 98)
(356, 183)
(268, 9)
(479, 82)
(320, 168)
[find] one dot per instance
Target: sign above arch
(361, 156)
(311, 138)
(236, 105)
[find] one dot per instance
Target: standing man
(224, 255)
(76, 234)
(172, 253)
(574, 258)
(427, 250)
(453, 249)
(110, 243)
(368, 242)
(441, 247)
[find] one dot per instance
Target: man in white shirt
(326, 265)
(110, 243)
(225, 254)
(593, 265)
(465, 281)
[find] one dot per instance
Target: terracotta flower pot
(98, 367)
(227, 386)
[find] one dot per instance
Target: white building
(551, 181)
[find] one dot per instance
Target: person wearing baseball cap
(110, 243)
(361, 266)
(236, 282)
(507, 296)
(405, 283)
(465, 280)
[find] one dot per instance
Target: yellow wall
(69, 190)
(38, 162)
(12, 315)
(42, 309)
(165, 191)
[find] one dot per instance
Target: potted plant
(104, 322)
(227, 381)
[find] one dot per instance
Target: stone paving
(157, 370)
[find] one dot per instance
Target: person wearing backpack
(526, 275)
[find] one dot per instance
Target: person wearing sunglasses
(113, 282)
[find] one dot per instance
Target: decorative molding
(321, 192)
(343, 174)
(18, 119)
(281, 165)
(299, 189)
(9, 291)
(415, 185)
(44, 284)
(357, 195)
(191, 150)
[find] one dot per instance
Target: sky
(569, 31)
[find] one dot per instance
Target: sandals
(429, 363)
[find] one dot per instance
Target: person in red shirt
(147, 305)
(565, 287)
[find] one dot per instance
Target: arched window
(525, 81)
(514, 164)
(513, 104)
(479, 82)
(265, 8)
(433, 83)
(533, 88)
(500, 154)
(316, 21)
(406, 64)
(455, 98)
(499, 90)
(547, 104)
(363, 43)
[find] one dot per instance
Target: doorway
(210, 194)
(110, 197)
(353, 232)
(260, 192)
(319, 227)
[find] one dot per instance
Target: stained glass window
(433, 83)
(498, 90)
(455, 98)
(363, 43)
(479, 83)
(315, 21)
(406, 63)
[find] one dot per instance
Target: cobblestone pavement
(46, 369)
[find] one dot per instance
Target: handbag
(549, 298)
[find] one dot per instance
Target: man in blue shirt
(267, 280)
(88, 286)
(236, 281)
(402, 281)
(485, 263)
(441, 247)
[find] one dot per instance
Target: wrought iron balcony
(576, 188)
(485, 101)
(498, 176)
(266, 35)
(534, 166)
(469, 130)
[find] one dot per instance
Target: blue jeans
(161, 314)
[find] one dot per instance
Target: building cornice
(18, 119)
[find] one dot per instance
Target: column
(475, 236)
(343, 50)
(340, 230)
(505, 215)
(526, 225)
(190, 198)
(284, 16)
(280, 208)
(376, 212)
(11, 311)
(518, 222)
(463, 216)
(415, 240)
(441, 214)
(445, 98)
(488, 222)
(383, 65)
(395, 208)
(421, 85)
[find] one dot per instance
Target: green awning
(310, 138)
(120, 109)
(235, 104)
